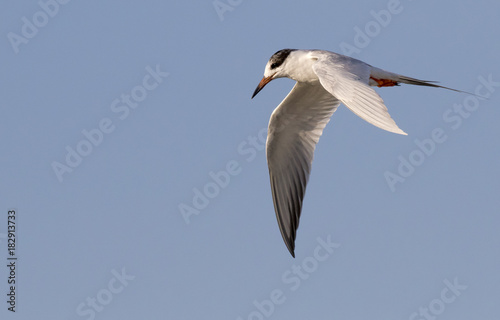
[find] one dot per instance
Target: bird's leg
(385, 82)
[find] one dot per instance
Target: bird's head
(275, 68)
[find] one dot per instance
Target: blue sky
(118, 117)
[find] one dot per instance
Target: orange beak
(262, 84)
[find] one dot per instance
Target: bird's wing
(347, 79)
(294, 130)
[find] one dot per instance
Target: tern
(324, 80)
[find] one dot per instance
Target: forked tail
(382, 78)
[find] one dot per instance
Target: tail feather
(425, 83)
(397, 78)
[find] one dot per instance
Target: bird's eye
(274, 65)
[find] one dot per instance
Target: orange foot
(384, 82)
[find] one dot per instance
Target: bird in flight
(324, 80)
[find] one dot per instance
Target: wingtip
(396, 130)
(290, 245)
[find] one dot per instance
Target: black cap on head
(279, 57)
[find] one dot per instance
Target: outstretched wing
(294, 130)
(347, 79)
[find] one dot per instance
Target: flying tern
(324, 80)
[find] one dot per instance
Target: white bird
(324, 80)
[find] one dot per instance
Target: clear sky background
(105, 238)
